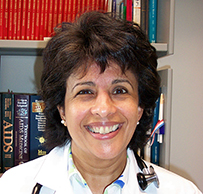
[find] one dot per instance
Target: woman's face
(101, 111)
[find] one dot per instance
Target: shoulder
(169, 181)
(17, 177)
(174, 183)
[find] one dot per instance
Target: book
(1, 18)
(15, 17)
(37, 127)
(155, 146)
(137, 11)
(28, 17)
(21, 128)
(129, 10)
(7, 131)
(24, 20)
(19, 19)
(37, 22)
(10, 19)
(144, 15)
(152, 21)
(33, 19)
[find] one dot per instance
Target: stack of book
(36, 19)
(22, 126)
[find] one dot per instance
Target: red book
(37, 22)
(50, 17)
(10, 19)
(24, 19)
(73, 10)
(28, 25)
(19, 19)
(65, 10)
(55, 14)
(33, 18)
(60, 11)
(15, 13)
(83, 6)
(129, 10)
(5, 26)
(46, 3)
(41, 25)
(69, 15)
(1, 18)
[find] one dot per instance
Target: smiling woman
(99, 85)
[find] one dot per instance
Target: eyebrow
(89, 83)
(116, 81)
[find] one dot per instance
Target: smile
(103, 129)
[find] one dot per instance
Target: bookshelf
(21, 65)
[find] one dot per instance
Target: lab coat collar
(55, 168)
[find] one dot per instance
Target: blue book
(152, 21)
(155, 147)
(37, 127)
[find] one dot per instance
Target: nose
(103, 105)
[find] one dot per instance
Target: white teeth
(103, 130)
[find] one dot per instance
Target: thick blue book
(37, 127)
(152, 32)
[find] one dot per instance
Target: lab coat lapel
(53, 173)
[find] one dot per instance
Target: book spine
(5, 18)
(60, 11)
(37, 23)
(69, 15)
(152, 21)
(28, 19)
(37, 127)
(41, 21)
(1, 18)
(33, 19)
(24, 19)
(19, 19)
(137, 11)
(144, 16)
(21, 129)
(15, 17)
(114, 8)
(129, 10)
(10, 19)
(8, 131)
(155, 146)
(46, 15)
(50, 17)
(65, 11)
(55, 14)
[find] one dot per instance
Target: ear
(62, 115)
(140, 112)
(61, 111)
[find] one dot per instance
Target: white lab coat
(51, 171)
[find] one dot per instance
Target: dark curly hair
(97, 37)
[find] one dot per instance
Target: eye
(120, 90)
(84, 92)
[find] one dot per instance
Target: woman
(99, 85)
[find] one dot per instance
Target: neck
(99, 173)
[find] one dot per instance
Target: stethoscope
(145, 178)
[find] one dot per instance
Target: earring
(62, 122)
(138, 123)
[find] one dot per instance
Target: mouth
(103, 129)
